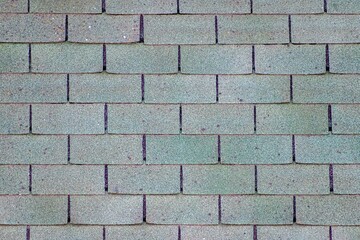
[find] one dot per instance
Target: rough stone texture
(14, 58)
(345, 233)
(12, 232)
(344, 6)
(292, 232)
(344, 58)
(214, 6)
(141, 6)
(66, 232)
(14, 179)
(65, 6)
(13, 6)
(14, 119)
(217, 232)
(346, 119)
(288, 6)
(346, 179)
(152, 232)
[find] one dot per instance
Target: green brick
(346, 179)
(139, 58)
(254, 89)
(153, 232)
(216, 59)
(292, 232)
(217, 232)
(219, 179)
(104, 87)
(66, 58)
(14, 179)
(346, 119)
(144, 179)
(345, 233)
(290, 59)
(288, 6)
(104, 29)
(14, 57)
(67, 179)
(343, 6)
(141, 6)
(214, 6)
(106, 149)
(65, 6)
(13, 6)
(270, 210)
(180, 89)
(217, 119)
(66, 232)
(344, 58)
(181, 149)
(13, 232)
(292, 119)
(179, 29)
(179, 209)
(14, 119)
(68, 119)
(253, 29)
(256, 149)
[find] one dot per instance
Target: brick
(152, 232)
(32, 28)
(68, 179)
(67, 6)
(254, 89)
(253, 29)
(346, 179)
(256, 149)
(181, 149)
(293, 179)
(144, 179)
(138, 58)
(216, 59)
(106, 210)
(14, 119)
(343, 6)
(179, 29)
(292, 232)
(327, 210)
(290, 59)
(13, 6)
(140, 118)
(104, 29)
(141, 6)
(218, 179)
(66, 232)
(217, 232)
(288, 6)
(292, 119)
(104, 87)
(345, 233)
(344, 58)
(254, 209)
(34, 210)
(325, 29)
(213, 6)
(180, 89)
(106, 149)
(14, 58)
(346, 119)
(180, 209)
(68, 119)
(14, 179)
(217, 119)
(13, 232)
(66, 58)
(329, 88)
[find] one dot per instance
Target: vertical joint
(141, 28)
(330, 233)
(68, 149)
(255, 233)
(325, 6)
(106, 178)
(293, 148)
(291, 89)
(179, 59)
(30, 118)
(178, 6)
(216, 30)
(179, 232)
(144, 147)
(256, 179)
(255, 119)
(142, 88)
(253, 59)
(66, 28)
(144, 208)
(251, 6)
(69, 210)
(330, 118)
(104, 57)
(180, 119)
(290, 34)
(30, 58)
(104, 233)
(68, 87)
(181, 179)
(27, 232)
(217, 88)
(331, 178)
(103, 6)
(327, 58)
(219, 208)
(294, 209)
(30, 178)
(106, 118)
(219, 149)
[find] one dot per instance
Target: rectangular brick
(346, 119)
(65, 6)
(153, 232)
(104, 87)
(141, 119)
(68, 179)
(216, 59)
(180, 209)
(344, 58)
(292, 59)
(106, 149)
(13, 232)
(256, 149)
(343, 6)
(346, 179)
(14, 118)
(13, 6)
(288, 6)
(292, 232)
(106, 210)
(32, 28)
(292, 119)
(104, 29)
(68, 119)
(253, 29)
(179, 29)
(66, 232)
(14, 179)
(217, 119)
(254, 89)
(260, 210)
(181, 149)
(180, 89)
(66, 58)
(293, 179)
(219, 179)
(144, 179)
(14, 58)
(34, 210)
(345, 233)
(214, 6)
(217, 232)
(141, 6)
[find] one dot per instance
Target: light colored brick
(140, 118)
(254, 89)
(14, 119)
(13, 6)
(179, 29)
(293, 179)
(180, 209)
(256, 149)
(106, 149)
(14, 58)
(144, 179)
(344, 58)
(104, 29)
(254, 209)
(217, 232)
(292, 232)
(346, 233)
(217, 119)
(253, 29)
(66, 232)
(292, 119)
(214, 6)
(180, 89)
(346, 179)
(14, 179)
(216, 59)
(181, 149)
(346, 119)
(288, 6)
(65, 6)
(141, 6)
(106, 210)
(343, 6)
(66, 58)
(68, 119)
(104, 87)
(290, 59)
(219, 179)
(152, 232)
(13, 232)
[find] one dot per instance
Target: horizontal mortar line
(177, 134)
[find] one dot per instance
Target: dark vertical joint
(144, 208)
(216, 30)
(106, 117)
(289, 22)
(179, 59)
(144, 147)
(291, 89)
(330, 118)
(103, 6)
(219, 149)
(255, 233)
(253, 59)
(331, 178)
(30, 118)
(217, 88)
(104, 57)
(28, 6)
(69, 209)
(330, 233)
(294, 209)
(68, 87)
(180, 118)
(251, 6)
(219, 208)
(181, 179)
(325, 6)
(29, 58)
(27, 232)
(66, 28)
(293, 148)
(142, 88)
(141, 28)
(30, 178)
(106, 178)
(104, 233)
(254, 119)
(178, 6)
(327, 58)
(256, 179)
(68, 148)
